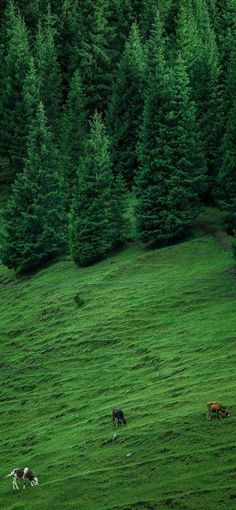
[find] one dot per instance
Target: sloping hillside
(156, 337)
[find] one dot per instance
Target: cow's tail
(10, 474)
(124, 421)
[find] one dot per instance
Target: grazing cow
(118, 417)
(24, 474)
(216, 409)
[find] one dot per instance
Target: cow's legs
(14, 484)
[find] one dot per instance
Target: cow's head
(35, 480)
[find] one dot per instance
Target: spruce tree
(171, 173)
(74, 128)
(95, 56)
(126, 108)
(120, 21)
(35, 221)
(226, 189)
(119, 223)
(91, 230)
(31, 97)
(48, 69)
(14, 68)
(149, 12)
(68, 39)
(227, 174)
(206, 90)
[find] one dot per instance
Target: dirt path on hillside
(213, 230)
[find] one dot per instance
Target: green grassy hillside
(156, 337)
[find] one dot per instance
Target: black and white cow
(24, 474)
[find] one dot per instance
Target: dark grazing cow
(216, 409)
(118, 417)
(24, 474)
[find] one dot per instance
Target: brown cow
(118, 417)
(216, 409)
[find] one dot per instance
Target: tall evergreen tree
(31, 98)
(48, 69)
(227, 174)
(206, 91)
(126, 107)
(120, 22)
(35, 221)
(74, 129)
(15, 67)
(119, 221)
(171, 172)
(67, 38)
(226, 190)
(149, 12)
(197, 43)
(95, 57)
(91, 230)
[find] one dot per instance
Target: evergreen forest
(106, 102)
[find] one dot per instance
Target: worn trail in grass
(156, 337)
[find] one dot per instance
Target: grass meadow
(155, 336)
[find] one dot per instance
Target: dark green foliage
(95, 57)
(227, 174)
(126, 108)
(171, 173)
(197, 42)
(74, 127)
(35, 221)
(31, 96)
(91, 232)
(118, 207)
(150, 8)
(15, 66)
(50, 82)
(107, 56)
(78, 300)
(226, 182)
(223, 18)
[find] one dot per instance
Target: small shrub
(79, 301)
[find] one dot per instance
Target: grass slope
(156, 337)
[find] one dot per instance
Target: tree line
(100, 98)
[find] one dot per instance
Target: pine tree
(149, 12)
(67, 39)
(74, 129)
(171, 173)
(126, 107)
(31, 98)
(95, 56)
(91, 229)
(15, 67)
(120, 21)
(35, 221)
(227, 174)
(119, 221)
(48, 69)
(226, 189)
(206, 90)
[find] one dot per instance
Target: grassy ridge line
(167, 336)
